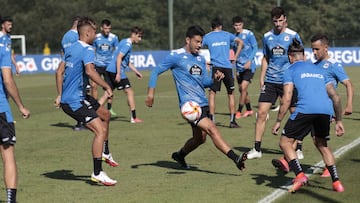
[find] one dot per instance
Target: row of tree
(44, 21)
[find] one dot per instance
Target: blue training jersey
(218, 43)
(104, 48)
(5, 39)
(5, 62)
(124, 47)
(69, 38)
(334, 71)
(76, 57)
(275, 48)
(248, 51)
(310, 82)
(189, 73)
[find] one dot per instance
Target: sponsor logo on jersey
(216, 44)
(195, 70)
(278, 51)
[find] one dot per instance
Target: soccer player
(70, 37)
(218, 43)
(120, 64)
(334, 70)
(5, 38)
(75, 102)
(105, 43)
(273, 65)
(191, 79)
(245, 65)
(7, 132)
(313, 113)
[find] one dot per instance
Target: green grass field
(55, 163)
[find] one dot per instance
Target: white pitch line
(314, 169)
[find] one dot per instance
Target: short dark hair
(136, 30)
(216, 22)
(322, 37)
(84, 21)
(76, 18)
(105, 22)
(6, 19)
(295, 47)
(194, 30)
(237, 19)
(277, 12)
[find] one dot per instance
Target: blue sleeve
(297, 36)
(207, 81)
(89, 55)
(265, 52)
(124, 48)
(5, 57)
(163, 66)
(287, 77)
(254, 45)
(232, 37)
(340, 72)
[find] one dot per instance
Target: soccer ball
(191, 111)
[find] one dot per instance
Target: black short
(7, 131)
(246, 75)
(123, 84)
(205, 113)
(228, 80)
(271, 91)
(303, 124)
(86, 113)
(101, 70)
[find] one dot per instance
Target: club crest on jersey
(198, 58)
(286, 38)
(326, 65)
(195, 70)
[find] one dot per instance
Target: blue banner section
(147, 60)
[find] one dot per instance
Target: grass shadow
(63, 125)
(263, 150)
(180, 170)
(68, 175)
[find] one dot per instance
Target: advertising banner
(147, 60)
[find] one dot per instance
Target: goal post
(22, 42)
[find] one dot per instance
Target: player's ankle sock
(248, 107)
(182, 153)
(97, 165)
(299, 146)
(295, 166)
(232, 117)
(333, 172)
(106, 147)
(133, 114)
(109, 106)
(212, 117)
(231, 154)
(257, 146)
(11, 195)
(240, 107)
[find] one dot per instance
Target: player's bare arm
(13, 91)
(59, 76)
(264, 65)
(350, 94)
(94, 76)
(284, 106)
(150, 97)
